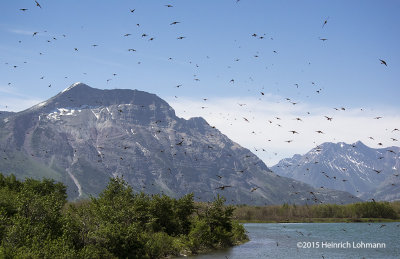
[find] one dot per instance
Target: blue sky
(218, 47)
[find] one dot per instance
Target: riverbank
(319, 213)
(322, 220)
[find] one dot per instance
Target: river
(316, 240)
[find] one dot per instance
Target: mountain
(83, 136)
(365, 172)
(4, 114)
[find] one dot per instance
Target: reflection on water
(316, 240)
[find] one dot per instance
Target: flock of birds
(275, 121)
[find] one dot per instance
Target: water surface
(316, 240)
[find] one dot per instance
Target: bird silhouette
(325, 22)
(254, 189)
(383, 62)
(223, 187)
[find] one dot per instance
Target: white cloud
(16, 101)
(258, 133)
(21, 32)
(17, 104)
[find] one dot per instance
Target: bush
(36, 222)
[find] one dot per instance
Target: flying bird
(253, 189)
(223, 187)
(173, 23)
(325, 22)
(383, 62)
(37, 4)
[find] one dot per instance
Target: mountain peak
(75, 85)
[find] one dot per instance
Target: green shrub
(36, 222)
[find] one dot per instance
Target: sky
(257, 70)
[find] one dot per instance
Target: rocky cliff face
(363, 171)
(83, 136)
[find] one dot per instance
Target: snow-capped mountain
(356, 168)
(83, 136)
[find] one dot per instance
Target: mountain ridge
(356, 168)
(83, 135)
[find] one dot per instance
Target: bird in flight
(325, 22)
(253, 189)
(383, 62)
(23, 9)
(132, 10)
(173, 23)
(168, 5)
(37, 4)
(223, 187)
(294, 132)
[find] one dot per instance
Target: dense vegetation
(36, 221)
(360, 211)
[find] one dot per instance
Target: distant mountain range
(356, 168)
(83, 136)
